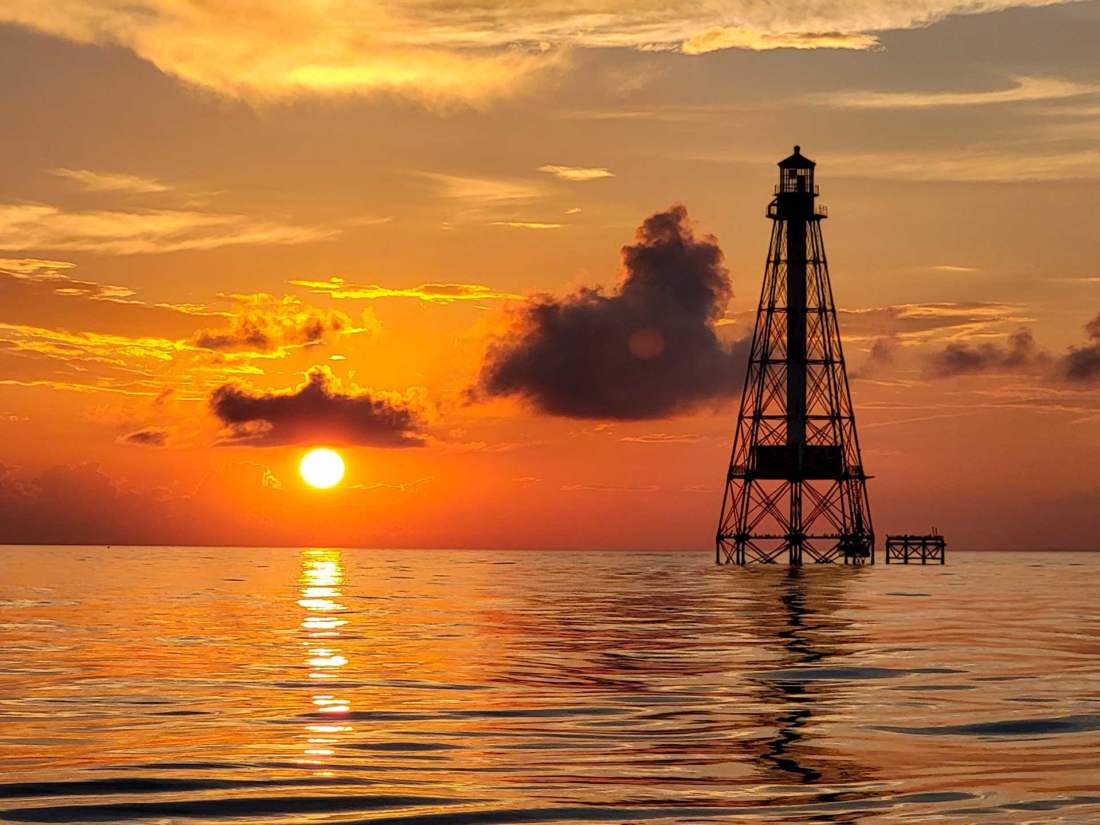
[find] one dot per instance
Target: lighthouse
(796, 489)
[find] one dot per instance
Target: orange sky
(203, 211)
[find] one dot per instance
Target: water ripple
(443, 688)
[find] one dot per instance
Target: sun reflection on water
(321, 579)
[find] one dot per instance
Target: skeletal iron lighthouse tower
(796, 484)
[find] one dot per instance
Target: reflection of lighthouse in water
(321, 579)
(798, 616)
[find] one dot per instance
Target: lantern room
(796, 174)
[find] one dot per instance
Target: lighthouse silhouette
(796, 486)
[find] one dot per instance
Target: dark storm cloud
(647, 350)
(1082, 364)
(148, 437)
(1017, 352)
(318, 410)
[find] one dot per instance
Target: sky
(438, 237)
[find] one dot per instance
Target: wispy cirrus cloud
(34, 268)
(122, 351)
(661, 438)
(529, 224)
(483, 192)
(434, 293)
(735, 37)
(1021, 90)
(969, 165)
(923, 322)
(577, 173)
(112, 181)
(30, 226)
(955, 268)
(1051, 157)
(441, 52)
(53, 277)
(30, 287)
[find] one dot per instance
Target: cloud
(1082, 364)
(483, 192)
(955, 268)
(37, 226)
(529, 225)
(434, 293)
(1022, 90)
(985, 165)
(475, 199)
(577, 173)
(148, 437)
(263, 323)
(647, 350)
(714, 40)
(882, 353)
(1019, 352)
(34, 268)
(1036, 161)
(112, 181)
(319, 410)
(446, 52)
(922, 322)
(34, 274)
(120, 351)
(661, 438)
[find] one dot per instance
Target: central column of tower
(796, 329)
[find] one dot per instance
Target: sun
(322, 468)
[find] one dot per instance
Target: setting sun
(322, 468)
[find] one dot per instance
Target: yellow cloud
(483, 192)
(444, 52)
(114, 350)
(989, 163)
(528, 224)
(265, 323)
(34, 268)
(111, 181)
(1022, 90)
(714, 40)
(985, 165)
(39, 226)
(435, 293)
(577, 173)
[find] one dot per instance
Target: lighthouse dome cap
(797, 161)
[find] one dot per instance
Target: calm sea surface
(291, 686)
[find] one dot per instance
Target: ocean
(215, 685)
